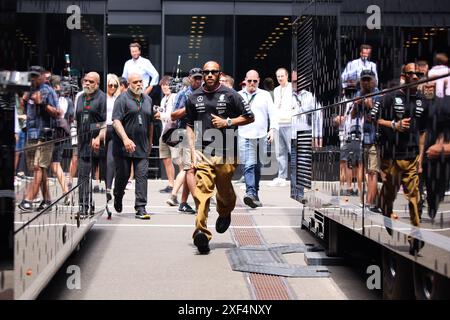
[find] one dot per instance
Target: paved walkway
(125, 258)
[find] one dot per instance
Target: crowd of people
(400, 138)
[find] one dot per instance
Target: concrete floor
(125, 258)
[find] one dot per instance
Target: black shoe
(222, 223)
(108, 196)
(25, 206)
(375, 209)
(84, 212)
(258, 203)
(250, 201)
(185, 208)
(96, 189)
(142, 214)
(432, 212)
(44, 205)
(167, 189)
(354, 193)
(201, 242)
(118, 204)
(415, 245)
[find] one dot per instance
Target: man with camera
(42, 110)
(362, 110)
(179, 114)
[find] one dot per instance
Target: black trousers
(437, 181)
(123, 169)
(84, 179)
(110, 165)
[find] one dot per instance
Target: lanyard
(251, 99)
(86, 103)
(139, 104)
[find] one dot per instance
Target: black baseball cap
(195, 72)
(367, 74)
(36, 70)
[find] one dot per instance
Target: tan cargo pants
(213, 172)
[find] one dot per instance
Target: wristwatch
(393, 125)
(229, 122)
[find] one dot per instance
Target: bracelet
(393, 125)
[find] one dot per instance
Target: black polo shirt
(88, 112)
(396, 106)
(136, 117)
(223, 102)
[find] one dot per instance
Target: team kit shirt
(224, 103)
(396, 106)
(136, 117)
(89, 112)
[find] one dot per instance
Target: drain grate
(270, 260)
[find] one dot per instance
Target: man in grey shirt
(133, 124)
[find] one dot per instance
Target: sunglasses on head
(251, 80)
(213, 72)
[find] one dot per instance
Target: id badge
(140, 120)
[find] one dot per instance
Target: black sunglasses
(206, 72)
(250, 81)
(419, 74)
(112, 85)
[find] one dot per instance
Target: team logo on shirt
(221, 98)
(199, 98)
(398, 101)
(419, 103)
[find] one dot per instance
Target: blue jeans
(251, 151)
(283, 149)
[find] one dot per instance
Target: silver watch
(229, 122)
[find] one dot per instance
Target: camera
(175, 85)
(14, 81)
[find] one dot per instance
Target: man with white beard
(133, 135)
(90, 110)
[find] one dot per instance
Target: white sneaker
(129, 185)
(277, 182)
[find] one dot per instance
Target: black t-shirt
(89, 112)
(396, 106)
(223, 102)
(136, 117)
(438, 120)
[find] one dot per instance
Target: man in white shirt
(284, 105)
(254, 136)
(351, 74)
(440, 68)
(141, 66)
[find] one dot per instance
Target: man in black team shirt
(218, 111)
(401, 120)
(133, 124)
